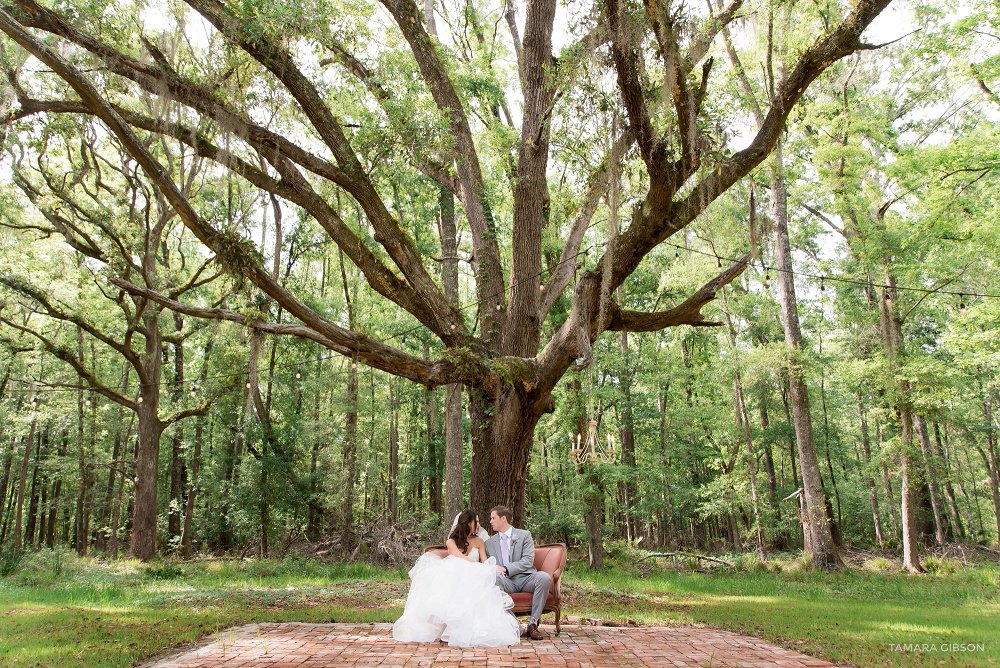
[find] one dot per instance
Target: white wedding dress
(456, 601)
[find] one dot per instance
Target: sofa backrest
(550, 558)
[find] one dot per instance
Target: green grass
(58, 610)
(856, 616)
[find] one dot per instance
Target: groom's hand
(502, 571)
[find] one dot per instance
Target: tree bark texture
(824, 551)
(892, 339)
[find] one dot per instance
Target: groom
(514, 551)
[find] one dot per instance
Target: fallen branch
(689, 554)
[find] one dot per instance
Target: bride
(456, 599)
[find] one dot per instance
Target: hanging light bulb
(248, 384)
(298, 374)
(822, 286)
(498, 307)
(718, 262)
(961, 304)
(767, 279)
(677, 255)
(193, 393)
(139, 400)
(86, 402)
(34, 401)
(354, 365)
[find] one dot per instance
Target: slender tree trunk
(956, 520)
(869, 479)
(930, 471)
(824, 551)
(627, 489)
(350, 448)
(893, 340)
(8, 462)
(435, 491)
(314, 513)
(187, 533)
(454, 469)
(393, 481)
(743, 422)
(176, 500)
(989, 455)
(661, 402)
(50, 531)
(22, 477)
(772, 485)
(29, 529)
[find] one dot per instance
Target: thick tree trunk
(502, 436)
(821, 540)
(143, 544)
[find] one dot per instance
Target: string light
(298, 375)
(139, 400)
(718, 259)
(961, 304)
(838, 279)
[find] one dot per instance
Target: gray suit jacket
(522, 554)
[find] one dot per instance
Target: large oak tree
(513, 353)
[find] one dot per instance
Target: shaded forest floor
(59, 610)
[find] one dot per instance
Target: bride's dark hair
(460, 534)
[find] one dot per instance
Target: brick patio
(301, 645)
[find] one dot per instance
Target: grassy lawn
(58, 610)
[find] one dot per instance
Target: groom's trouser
(538, 583)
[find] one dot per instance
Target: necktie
(504, 550)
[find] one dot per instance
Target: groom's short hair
(503, 511)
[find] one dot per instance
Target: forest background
(158, 395)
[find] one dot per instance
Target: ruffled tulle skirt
(456, 601)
